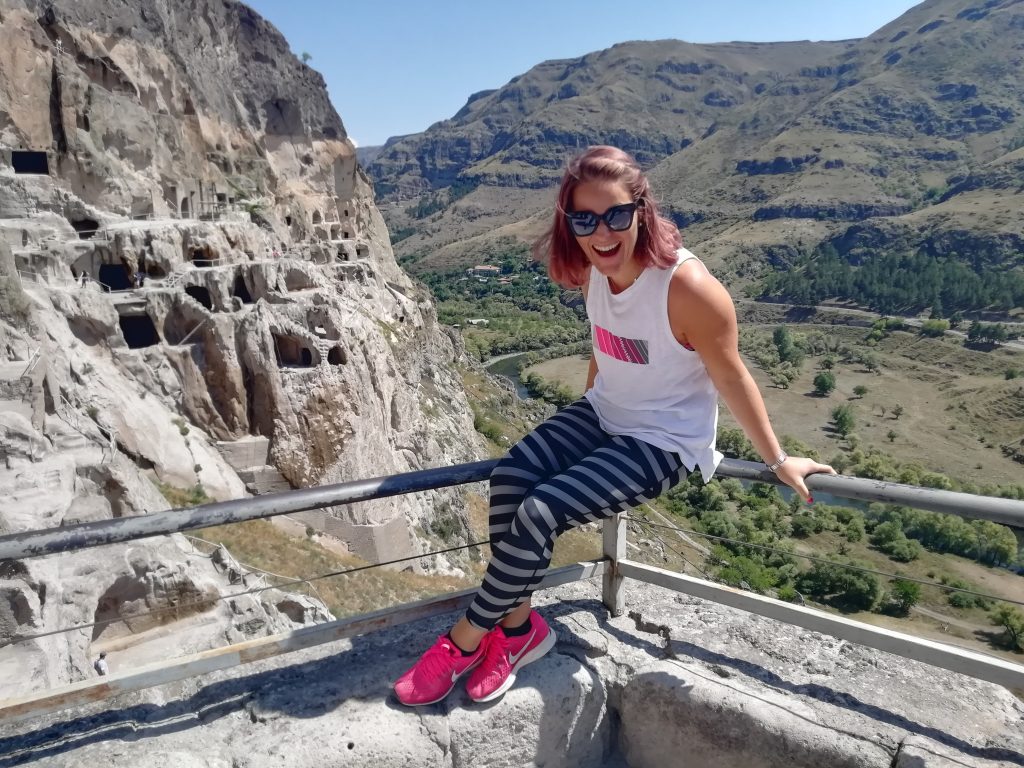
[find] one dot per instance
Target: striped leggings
(565, 473)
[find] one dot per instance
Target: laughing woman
(665, 349)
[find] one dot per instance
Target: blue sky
(397, 66)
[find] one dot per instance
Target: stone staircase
(174, 279)
(263, 480)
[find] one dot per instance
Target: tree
(1012, 621)
(844, 588)
(306, 57)
(842, 417)
(903, 595)
(891, 434)
(824, 383)
(860, 390)
(934, 328)
(897, 411)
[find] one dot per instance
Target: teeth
(606, 249)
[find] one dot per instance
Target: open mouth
(609, 250)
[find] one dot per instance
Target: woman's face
(610, 252)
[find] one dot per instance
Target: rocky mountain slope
(909, 137)
(197, 291)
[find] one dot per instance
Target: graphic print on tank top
(626, 350)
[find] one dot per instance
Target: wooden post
(614, 537)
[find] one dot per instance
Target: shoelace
(439, 660)
(497, 647)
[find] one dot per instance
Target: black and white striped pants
(565, 473)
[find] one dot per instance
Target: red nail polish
(810, 499)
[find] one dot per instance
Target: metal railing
(67, 283)
(614, 569)
(32, 361)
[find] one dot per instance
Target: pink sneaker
(432, 677)
(505, 656)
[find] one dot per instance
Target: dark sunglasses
(617, 218)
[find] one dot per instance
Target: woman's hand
(795, 469)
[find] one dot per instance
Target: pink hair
(658, 238)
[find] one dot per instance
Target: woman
(665, 349)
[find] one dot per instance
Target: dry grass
(261, 545)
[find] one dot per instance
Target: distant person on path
(665, 348)
(101, 664)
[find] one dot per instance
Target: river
(508, 366)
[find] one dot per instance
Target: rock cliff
(198, 291)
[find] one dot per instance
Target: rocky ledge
(677, 682)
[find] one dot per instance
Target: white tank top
(648, 385)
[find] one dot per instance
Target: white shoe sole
(542, 648)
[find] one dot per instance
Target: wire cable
(220, 598)
(646, 524)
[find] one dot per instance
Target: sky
(397, 66)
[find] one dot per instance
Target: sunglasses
(617, 218)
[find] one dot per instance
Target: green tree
(1012, 621)
(788, 351)
(934, 328)
(854, 530)
(860, 390)
(891, 434)
(824, 383)
(903, 595)
(306, 57)
(842, 418)
(844, 588)
(897, 411)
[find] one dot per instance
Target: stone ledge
(680, 682)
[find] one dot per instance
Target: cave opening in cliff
(200, 294)
(185, 208)
(115, 277)
(297, 280)
(318, 217)
(108, 607)
(337, 356)
(85, 227)
(138, 331)
(241, 291)
(35, 163)
(362, 251)
(293, 352)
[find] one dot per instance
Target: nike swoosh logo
(514, 657)
(455, 676)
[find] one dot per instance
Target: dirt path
(950, 621)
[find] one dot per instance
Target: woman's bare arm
(701, 312)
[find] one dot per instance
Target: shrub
(824, 383)
(902, 596)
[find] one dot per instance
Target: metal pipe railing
(94, 534)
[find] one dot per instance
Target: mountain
(907, 137)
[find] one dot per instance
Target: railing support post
(614, 545)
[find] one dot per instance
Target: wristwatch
(778, 462)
